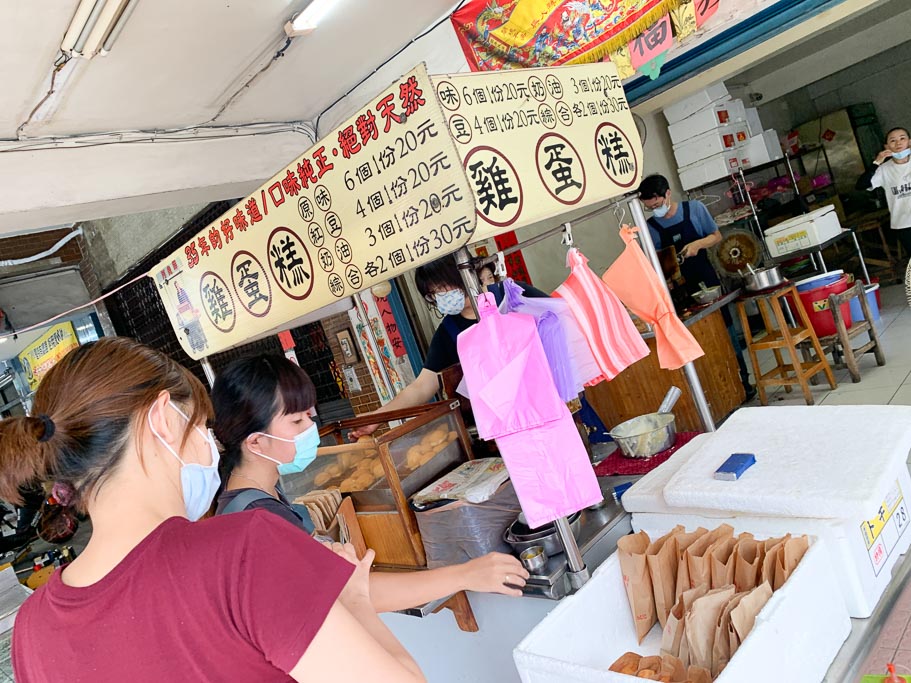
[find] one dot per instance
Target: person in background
(441, 286)
(156, 595)
(262, 419)
(892, 172)
(487, 276)
(690, 228)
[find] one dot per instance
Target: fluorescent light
(95, 26)
(309, 19)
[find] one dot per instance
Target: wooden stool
(780, 336)
(841, 341)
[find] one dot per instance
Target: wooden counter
(640, 388)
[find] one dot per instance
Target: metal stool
(778, 336)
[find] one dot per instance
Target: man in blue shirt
(688, 226)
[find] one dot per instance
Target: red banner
(507, 34)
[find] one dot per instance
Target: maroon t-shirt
(233, 598)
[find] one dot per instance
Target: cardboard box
(795, 638)
(803, 232)
(721, 114)
(700, 100)
(714, 141)
(708, 170)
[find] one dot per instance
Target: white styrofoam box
(795, 638)
(647, 494)
(714, 168)
(755, 152)
(719, 114)
(718, 140)
(803, 232)
(751, 114)
(773, 144)
(695, 102)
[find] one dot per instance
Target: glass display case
(380, 473)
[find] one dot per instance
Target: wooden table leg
(461, 608)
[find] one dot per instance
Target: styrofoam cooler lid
(800, 220)
(823, 462)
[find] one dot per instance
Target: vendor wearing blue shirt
(688, 226)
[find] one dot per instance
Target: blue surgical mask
(199, 483)
(904, 154)
(661, 211)
(305, 445)
(451, 302)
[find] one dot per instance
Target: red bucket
(816, 304)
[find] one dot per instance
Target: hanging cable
(44, 254)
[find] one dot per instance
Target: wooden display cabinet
(381, 473)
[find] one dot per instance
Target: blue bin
(857, 314)
(823, 280)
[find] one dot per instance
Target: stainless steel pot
(764, 278)
(646, 435)
(521, 538)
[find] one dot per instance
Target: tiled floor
(890, 384)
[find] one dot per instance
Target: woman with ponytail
(156, 595)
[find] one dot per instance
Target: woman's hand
(494, 573)
(882, 156)
(357, 591)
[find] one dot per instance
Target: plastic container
(857, 313)
(803, 232)
(816, 303)
(821, 280)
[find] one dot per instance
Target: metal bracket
(567, 239)
(499, 268)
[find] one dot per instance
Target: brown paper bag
(744, 615)
(770, 559)
(698, 674)
(650, 664)
(672, 670)
(722, 562)
(672, 636)
(628, 663)
(721, 650)
(747, 564)
(662, 560)
(684, 541)
(631, 550)
(701, 622)
(790, 555)
(699, 565)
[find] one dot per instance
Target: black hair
(892, 130)
(653, 186)
(440, 274)
(248, 394)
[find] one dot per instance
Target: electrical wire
(411, 42)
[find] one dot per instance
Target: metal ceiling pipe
(77, 25)
(89, 26)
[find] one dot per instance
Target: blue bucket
(857, 313)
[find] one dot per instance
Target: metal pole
(863, 264)
(822, 262)
(689, 370)
(469, 279)
(209, 372)
(578, 572)
(374, 345)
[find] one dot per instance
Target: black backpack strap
(242, 500)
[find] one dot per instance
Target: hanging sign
(381, 195)
(536, 143)
(45, 352)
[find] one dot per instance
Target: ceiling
(176, 64)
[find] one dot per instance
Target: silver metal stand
(208, 370)
(863, 264)
(689, 370)
(469, 278)
(577, 571)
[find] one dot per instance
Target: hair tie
(49, 427)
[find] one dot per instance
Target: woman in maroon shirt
(154, 596)
(262, 410)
